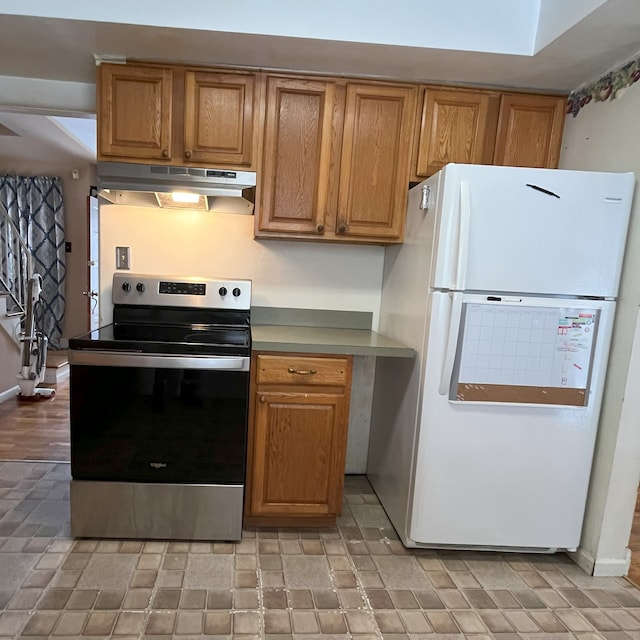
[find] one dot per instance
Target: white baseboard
(9, 393)
(603, 567)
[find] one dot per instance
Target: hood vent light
(182, 200)
(218, 190)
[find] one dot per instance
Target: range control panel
(183, 288)
(181, 291)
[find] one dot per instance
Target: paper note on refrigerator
(527, 346)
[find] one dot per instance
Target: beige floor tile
(469, 622)
(100, 624)
(305, 622)
(244, 622)
(522, 622)
(129, 623)
(442, 622)
(415, 621)
(71, 624)
(360, 622)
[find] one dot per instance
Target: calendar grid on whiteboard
(531, 346)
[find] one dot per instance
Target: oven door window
(158, 425)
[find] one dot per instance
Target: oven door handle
(157, 361)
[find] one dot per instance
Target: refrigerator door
(542, 231)
(502, 472)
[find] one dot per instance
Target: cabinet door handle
(320, 228)
(165, 153)
(263, 399)
(187, 154)
(302, 372)
(342, 228)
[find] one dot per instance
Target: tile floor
(353, 581)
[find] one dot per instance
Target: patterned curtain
(35, 205)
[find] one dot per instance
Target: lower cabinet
(299, 417)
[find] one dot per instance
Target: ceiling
(63, 49)
(31, 138)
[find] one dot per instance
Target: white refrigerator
(506, 287)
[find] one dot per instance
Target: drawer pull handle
(263, 399)
(303, 372)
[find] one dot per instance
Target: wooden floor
(36, 430)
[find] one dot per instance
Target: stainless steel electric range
(159, 406)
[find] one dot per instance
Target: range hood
(144, 185)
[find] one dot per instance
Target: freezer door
(543, 231)
(504, 474)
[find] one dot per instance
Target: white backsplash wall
(285, 273)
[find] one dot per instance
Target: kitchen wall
(284, 273)
(605, 137)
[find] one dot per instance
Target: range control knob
(140, 287)
(126, 287)
(236, 292)
(222, 291)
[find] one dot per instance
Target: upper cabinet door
(376, 153)
(457, 126)
(134, 112)
(530, 130)
(219, 118)
(297, 156)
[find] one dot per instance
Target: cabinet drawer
(296, 370)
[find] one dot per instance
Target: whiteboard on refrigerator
(531, 355)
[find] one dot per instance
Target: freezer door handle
(452, 343)
(424, 200)
(464, 231)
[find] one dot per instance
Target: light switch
(123, 258)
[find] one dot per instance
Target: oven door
(156, 418)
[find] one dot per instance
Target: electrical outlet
(122, 258)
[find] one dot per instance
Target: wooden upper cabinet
(530, 130)
(375, 166)
(177, 115)
(218, 118)
(134, 112)
(296, 156)
(336, 159)
(457, 125)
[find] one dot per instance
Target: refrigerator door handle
(463, 237)
(424, 200)
(452, 343)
